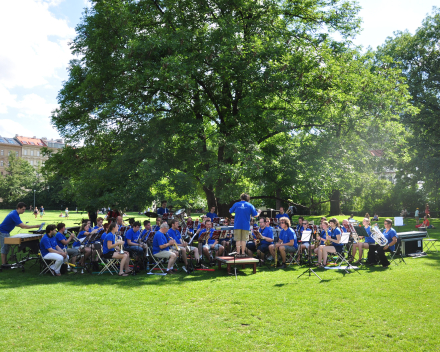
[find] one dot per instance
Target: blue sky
(35, 52)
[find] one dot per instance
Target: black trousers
(372, 257)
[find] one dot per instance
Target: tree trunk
(335, 205)
(210, 198)
(278, 201)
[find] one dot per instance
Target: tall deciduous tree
(418, 56)
(208, 90)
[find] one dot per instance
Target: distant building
(8, 146)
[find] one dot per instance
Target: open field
(393, 309)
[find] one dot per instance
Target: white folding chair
(345, 237)
(110, 265)
(45, 265)
(158, 263)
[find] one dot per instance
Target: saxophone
(327, 241)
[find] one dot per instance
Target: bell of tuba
(378, 236)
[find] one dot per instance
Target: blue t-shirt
(267, 232)
(109, 237)
(243, 212)
(156, 228)
(278, 216)
(161, 211)
(323, 236)
(175, 235)
(80, 235)
(369, 239)
(46, 243)
(343, 229)
(159, 240)
(210, 239)
(389, 236)
(60, 237)
(333, 235)
(145, 234)
(287, 235)
(11, 220)
(103, 236)
(212, 216)
(131, 235)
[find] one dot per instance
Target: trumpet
(121, 250)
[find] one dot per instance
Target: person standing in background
(416, 215)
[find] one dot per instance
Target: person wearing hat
(416, 215)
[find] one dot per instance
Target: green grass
(380, 310)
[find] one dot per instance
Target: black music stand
(309, 261)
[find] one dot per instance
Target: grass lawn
(393, 309)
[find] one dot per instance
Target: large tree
(207, 90)
(418, 56)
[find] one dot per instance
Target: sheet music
(306, 236)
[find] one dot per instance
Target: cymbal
(180, 211)
(151, 214)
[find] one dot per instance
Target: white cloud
(27, 57)
(33, 104)
(9, 128)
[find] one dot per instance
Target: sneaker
(283, 266)
(169, 272)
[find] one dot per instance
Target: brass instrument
(378, 236)
(121, 249)
(327, 241)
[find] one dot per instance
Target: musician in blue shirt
(157, 226)
(361, 245)
(11, 220)
(243, 211)
(263, 248)
(287, 241)
(51, 251)
(211, 244)
(132, 243)
(161, 247)
(391, 236)
(282, 214)
(174, 233)
(212, 214)
(333, 238)
(63, 243)
(322, 237)
(111, 250)
(163, 209)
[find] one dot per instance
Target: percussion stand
(309, 262)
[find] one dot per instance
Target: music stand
(306, 236)
(360, 230)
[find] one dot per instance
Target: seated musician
(119, 222)
(163, 208)
(111, 250)
(63, 243)
(282, 214)
(376, 217)
(157, 226)
(145, 234)
(226, 242)
(161, 247)
(300, 227)
(287, 241)
(174, 233)
(9, 223)
(266, 241)
(51, 251)
(98, 226)
(322, 238)
(212, 214)
(132, 242)
(84, 231)
(210, 244)
(304, 244)
(361, 245)
(345, 227)
(332, 238)
(391, 236)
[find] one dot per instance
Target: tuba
(378, 236)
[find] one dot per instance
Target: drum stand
(310, 264)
